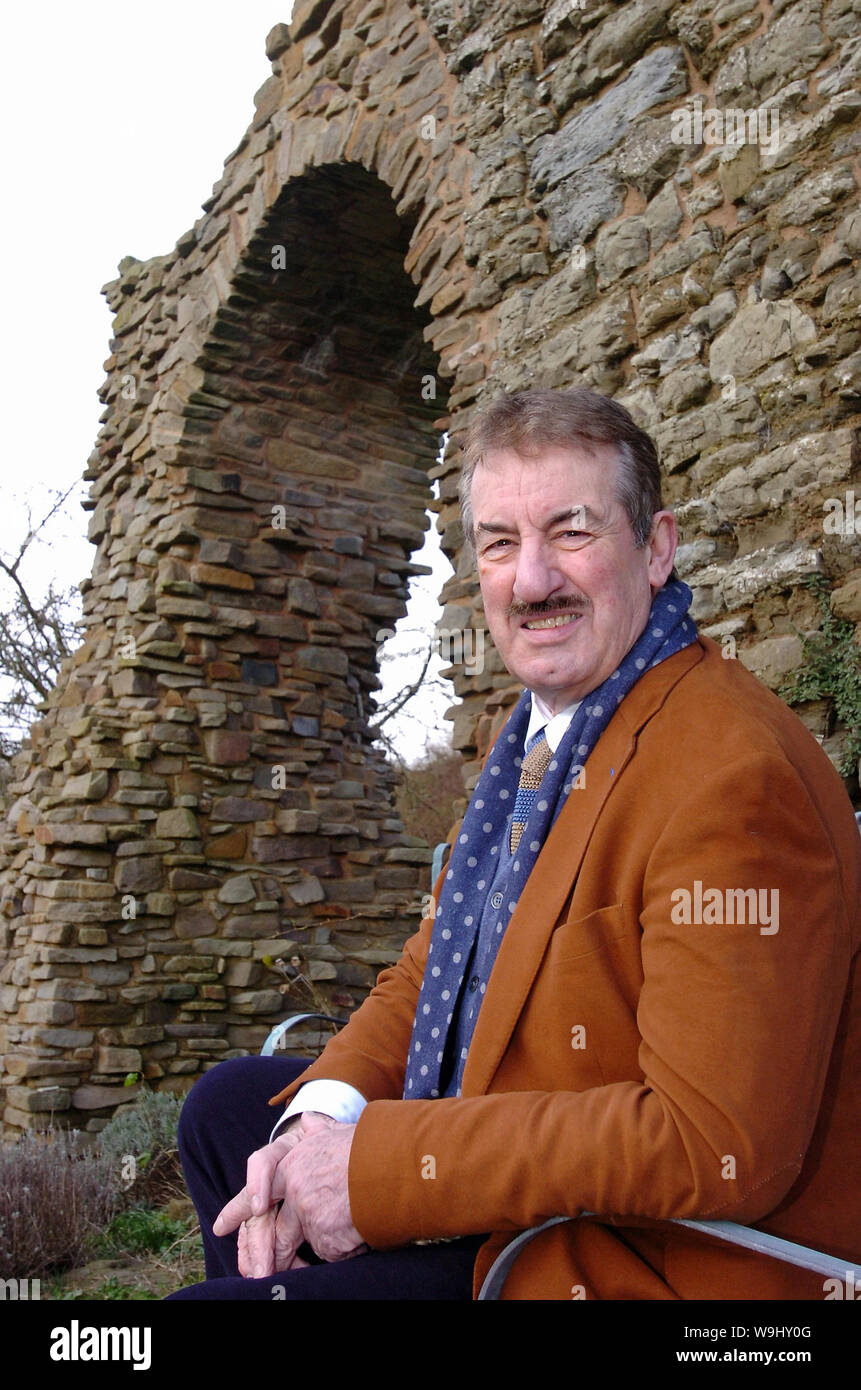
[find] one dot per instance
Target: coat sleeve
(737, 1027)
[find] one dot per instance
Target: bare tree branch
(35, 638)
(396, 704)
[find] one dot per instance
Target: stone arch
(229, 810)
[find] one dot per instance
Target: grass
(142, 1254)
(138, 1275)
(139, 1232)
(111, 1290)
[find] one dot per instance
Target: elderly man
(635, 997)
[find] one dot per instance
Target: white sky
(117, 120)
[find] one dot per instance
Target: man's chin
(557, 689)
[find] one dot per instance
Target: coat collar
(549, 885)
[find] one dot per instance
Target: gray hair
(528, 421)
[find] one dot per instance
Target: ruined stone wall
(433, 203)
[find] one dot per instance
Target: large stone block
(846, 600)
(253, 925)
(621, 247)
(220, 577)
(278, 849)
(72, 990)
(307, 890)
(45, 1012)
(579, 205)
(598, 128)
(239, 809)
(227, 747)
(260, 1001)
(39, 1099)
(56, 833)
(239, 889)
(328, 660)
(792, 45)
(120, 1059)
(772, 659)
(64, 1037)
(103, 1097)
(90, 786)
(193, 922)
(757, 336)
(177, 824)
(139, 874)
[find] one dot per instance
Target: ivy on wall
(831, 670)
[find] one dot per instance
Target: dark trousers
(224, 1119)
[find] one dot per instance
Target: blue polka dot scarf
(473, 860)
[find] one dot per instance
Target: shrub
(428, 793)
(53, 1196)
(140, 1144)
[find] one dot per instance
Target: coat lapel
(549, 885)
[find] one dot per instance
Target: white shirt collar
(554, 725)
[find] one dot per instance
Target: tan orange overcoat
(632, 1064)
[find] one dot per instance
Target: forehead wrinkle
(590, 516)
(530, 486)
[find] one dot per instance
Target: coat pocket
(582, 935)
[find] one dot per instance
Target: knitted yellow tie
(532, 770)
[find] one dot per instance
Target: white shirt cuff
(336, 1098)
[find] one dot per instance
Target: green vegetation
(143, 1129)
(110, 1221)
(139, 1230)
(832, 671)
(112, 1289)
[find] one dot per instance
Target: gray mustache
(568, 604)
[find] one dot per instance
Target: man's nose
(537, 576)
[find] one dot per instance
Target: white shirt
(554, 725)
(338, 1098)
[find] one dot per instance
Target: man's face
(566, 592)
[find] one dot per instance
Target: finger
(237, 1210)
(258, 1193)
(261, 1167)
(264, 1180)
(258, 1246)
(288, 1237)
(243, 1261)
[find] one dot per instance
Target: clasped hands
(295, 1191)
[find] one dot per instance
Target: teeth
(540, 623)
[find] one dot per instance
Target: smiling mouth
(539, 624)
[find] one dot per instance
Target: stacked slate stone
(433, 203)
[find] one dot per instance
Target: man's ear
(662, 545)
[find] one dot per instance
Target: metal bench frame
(746, 1236)
(273, 1041)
